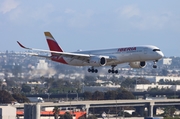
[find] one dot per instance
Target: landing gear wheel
(154, 66)
(92, 70)
(112, 70)
(96, 71)
(89, 70)
(109, 71)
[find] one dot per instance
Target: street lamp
(77, 94)
(48, 94)
(116, 109)
(67, 96)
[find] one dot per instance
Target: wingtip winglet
(22, 45)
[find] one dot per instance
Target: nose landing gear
(155, 65)
(112, 70)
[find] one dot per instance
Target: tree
(87, 95)
(92, 117)
(142, 81)
(26, 88)
(161, 81)
(169, 111)
(20, 98)
(67, 115)
(164, 72)
(82, 117)
(98, 95)
(6, 97)
(56, 112)
(16, 70)
(110, 95)
(128, 83)
(49, 82)
(160, 90)
(36, 89)
(127, 95)
(124, 94)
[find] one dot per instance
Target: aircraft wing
(79, 56)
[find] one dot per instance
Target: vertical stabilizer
(53, 45)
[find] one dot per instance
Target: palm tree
(56, 112)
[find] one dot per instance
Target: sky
(91, 24)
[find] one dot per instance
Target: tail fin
(53, 45)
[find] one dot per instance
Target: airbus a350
(136, 56)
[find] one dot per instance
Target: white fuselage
(122, 55)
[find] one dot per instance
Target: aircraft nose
(161, 55)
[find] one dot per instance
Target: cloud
(8, 5)
(129, 11)
(134, 17)
(16, 14)
(23, 15)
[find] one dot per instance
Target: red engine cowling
(97, 61)
(141, 64)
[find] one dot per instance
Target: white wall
(7, 112)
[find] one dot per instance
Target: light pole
(48, 94)
(67, 96)
(116, 109)
(77, 94)
(136, 86)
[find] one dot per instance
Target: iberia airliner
(136, 56)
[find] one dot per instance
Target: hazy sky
(91, 24)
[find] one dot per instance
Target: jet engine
(141, 64)
(97, 61)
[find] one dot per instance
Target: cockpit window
(156, 50)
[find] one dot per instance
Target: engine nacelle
(97, 61)
(141, 64)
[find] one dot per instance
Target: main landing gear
(155, 65)
(112, 70)
(109, 71)
(92, 70)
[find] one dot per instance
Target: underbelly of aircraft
(120, 60)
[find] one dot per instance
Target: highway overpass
(140, 104)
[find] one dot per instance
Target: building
(166, 61)
(42, 65)
(101, 88)
(156, 79)
(164, 78)
(145, 87)
(7, 112)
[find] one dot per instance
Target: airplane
(136, 56)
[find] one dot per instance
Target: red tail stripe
(53, 46)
